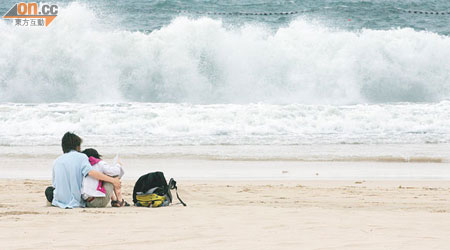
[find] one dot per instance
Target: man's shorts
(102, 201)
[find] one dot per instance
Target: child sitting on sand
(93, 191)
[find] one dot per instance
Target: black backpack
(155, 183)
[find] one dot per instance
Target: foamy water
(229, 124)
(202, 81)
(201, 60)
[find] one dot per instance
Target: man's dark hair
(91, 152)
(70, 141)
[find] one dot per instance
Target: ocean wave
(204, 61)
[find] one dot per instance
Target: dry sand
(239, 215)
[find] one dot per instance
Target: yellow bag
(150, 200)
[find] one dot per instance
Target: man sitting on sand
(68, 172)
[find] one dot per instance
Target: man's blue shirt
(68, 172)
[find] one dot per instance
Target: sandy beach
(236, 204)
(238, 215)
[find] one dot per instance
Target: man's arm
(102, 177)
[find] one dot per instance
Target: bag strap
(173, 185)
(176, 190)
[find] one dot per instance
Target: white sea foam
(78, 59)
(257, 124)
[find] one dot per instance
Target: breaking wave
(204, 61)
